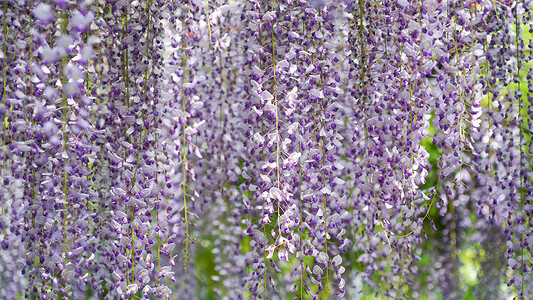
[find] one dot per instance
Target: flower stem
(184, 147)
(278, 138)
(4, 96)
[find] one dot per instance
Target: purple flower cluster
(306, 146)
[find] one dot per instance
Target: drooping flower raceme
(264, 149)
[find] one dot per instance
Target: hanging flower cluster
(262, 149)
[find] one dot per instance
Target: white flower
(44, 13)
(259, 138)
(132, 289)
(270, 249)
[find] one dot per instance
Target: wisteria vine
(265, 149)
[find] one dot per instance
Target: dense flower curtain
(265, 149)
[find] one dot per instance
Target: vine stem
(4, 96)
(325, 202)
(302, 266)
(262, 157)
(278, 138)
(156, 204)
(208, 21)
(184, 147)
(517, 24)
(125, 64)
